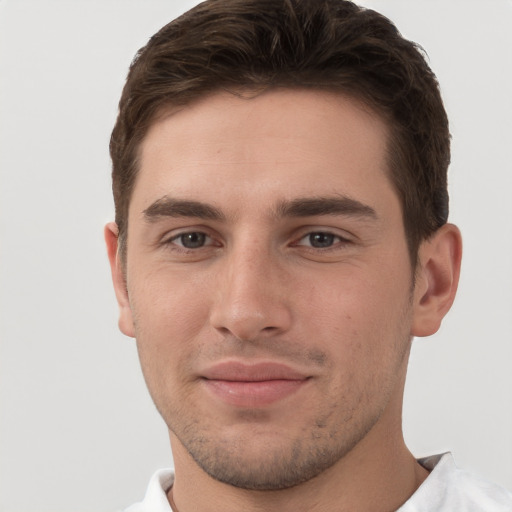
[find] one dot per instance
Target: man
(281, 235)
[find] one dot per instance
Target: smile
(243, 385)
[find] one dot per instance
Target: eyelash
(173, 239)
(336, 241)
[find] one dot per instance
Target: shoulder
(449, 488)
(155, 499)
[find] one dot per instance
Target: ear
(126, 326)
(437, 278)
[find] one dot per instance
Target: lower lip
(253, 393)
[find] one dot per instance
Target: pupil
(193, 240)
(321, 239)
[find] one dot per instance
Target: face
(268, 282)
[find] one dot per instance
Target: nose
(252, 300)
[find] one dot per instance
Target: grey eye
(192, 240)
(321, 240)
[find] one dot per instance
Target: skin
(264, 231)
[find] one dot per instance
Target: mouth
(252, 385)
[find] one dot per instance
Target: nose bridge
(251, 299)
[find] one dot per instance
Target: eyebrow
(300, 207)
(169, 207)
(338, 205)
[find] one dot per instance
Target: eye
(321, 240)
(191, 240)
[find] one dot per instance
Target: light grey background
(78, 431)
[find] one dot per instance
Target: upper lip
(237, 371)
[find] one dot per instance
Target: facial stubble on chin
(305, 458)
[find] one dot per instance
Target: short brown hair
(330, 45)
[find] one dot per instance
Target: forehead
(274, 146)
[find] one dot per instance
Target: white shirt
(446, 489)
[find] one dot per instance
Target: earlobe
(118, 278)
(437, 279)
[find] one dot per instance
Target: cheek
(167, 329)
(168, 315)
(359, 315)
